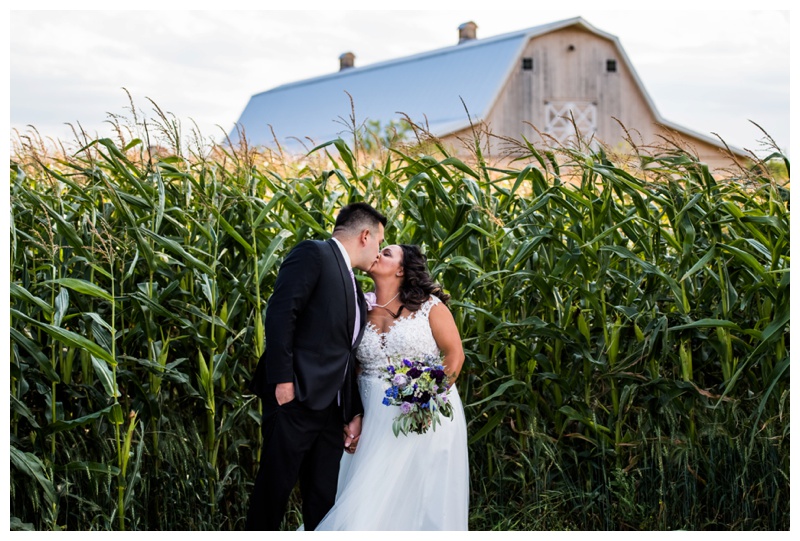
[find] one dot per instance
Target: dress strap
(432, 301)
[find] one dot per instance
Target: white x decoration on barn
(559, 125)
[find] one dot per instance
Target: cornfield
(625, 322)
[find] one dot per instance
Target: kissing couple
(326, 421)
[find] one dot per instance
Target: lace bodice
(408, 336)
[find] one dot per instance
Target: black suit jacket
(309, 330)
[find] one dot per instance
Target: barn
(539, 83)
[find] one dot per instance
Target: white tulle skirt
(413, 482)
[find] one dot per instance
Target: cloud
(703, 69)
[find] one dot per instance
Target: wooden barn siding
(562, 75)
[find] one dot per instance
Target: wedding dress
(408, 482)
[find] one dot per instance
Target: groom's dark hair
(357, 216)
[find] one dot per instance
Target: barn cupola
(467, 32)
(346, 60)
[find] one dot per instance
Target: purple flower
(407, 363)
(438, 375)
(414, 373)
(405, 407)
(400, 380)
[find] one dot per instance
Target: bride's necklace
(387, 304)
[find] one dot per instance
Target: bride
(414, 481)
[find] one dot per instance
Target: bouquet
(419, 387)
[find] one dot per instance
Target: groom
(306, 376)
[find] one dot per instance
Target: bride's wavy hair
(417, 286)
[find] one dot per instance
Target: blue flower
(386, 402)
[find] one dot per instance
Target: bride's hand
(352, 433)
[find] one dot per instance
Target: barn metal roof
(428, 87)
(443, 89)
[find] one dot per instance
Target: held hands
(284, 392)
(352, 433)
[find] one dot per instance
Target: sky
(706, 70)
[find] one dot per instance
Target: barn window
(527, 63)
(611, 66)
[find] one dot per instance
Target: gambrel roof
(428, 87)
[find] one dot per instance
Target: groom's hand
(284, 392)
(352, 433)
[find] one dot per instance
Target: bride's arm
(445, 332)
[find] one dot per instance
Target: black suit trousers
(299, 444)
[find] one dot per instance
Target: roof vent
(346, 60)
(467, 32)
